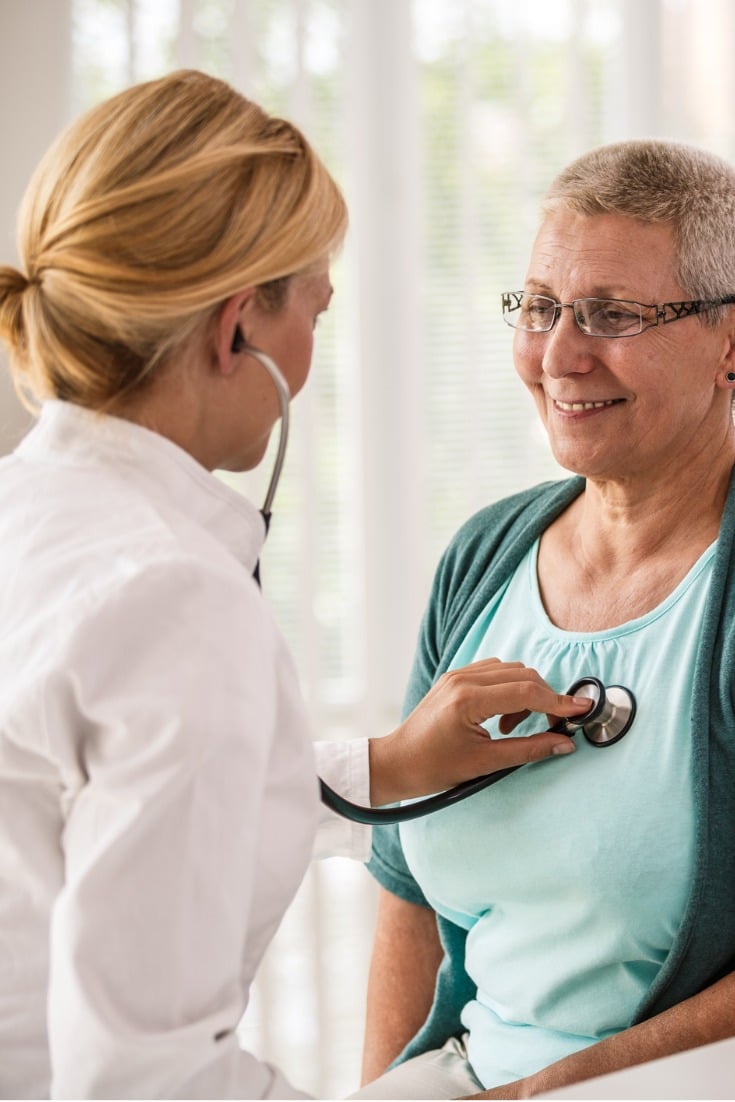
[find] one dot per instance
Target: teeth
(573, 407)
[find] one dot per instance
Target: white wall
(35, 93)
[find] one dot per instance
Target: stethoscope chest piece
(609, 718)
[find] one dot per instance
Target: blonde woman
(158, 796)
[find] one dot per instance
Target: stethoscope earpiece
(238, 341)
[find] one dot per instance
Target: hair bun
(12, 286)
(12, 281)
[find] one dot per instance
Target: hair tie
(22, 281)
(13, 281)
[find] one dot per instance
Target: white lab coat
(158, 800)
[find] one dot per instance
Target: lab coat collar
(75, 436)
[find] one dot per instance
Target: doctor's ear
(230, 331)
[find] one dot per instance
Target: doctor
(158, 800)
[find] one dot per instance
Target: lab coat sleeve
(344, 766)
(173, 687)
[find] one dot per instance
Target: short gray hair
(669, 182)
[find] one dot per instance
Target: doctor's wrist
(389, 782)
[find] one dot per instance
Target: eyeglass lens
(598, 317)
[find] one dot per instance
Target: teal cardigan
(483, 554)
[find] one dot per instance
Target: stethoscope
(608, 719)
(284, 398)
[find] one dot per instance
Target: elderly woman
(564, 924)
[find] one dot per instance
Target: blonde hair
(142, 218)
(668, 182)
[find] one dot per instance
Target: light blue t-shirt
(572, 874)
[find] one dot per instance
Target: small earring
(730, 376)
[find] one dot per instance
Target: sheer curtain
(443, 120)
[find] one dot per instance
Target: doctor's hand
(441, 743)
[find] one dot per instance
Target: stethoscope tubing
(379, 816)
(284, 398)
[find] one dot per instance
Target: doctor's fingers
(492, 672)
(505, 752)
(507, 689)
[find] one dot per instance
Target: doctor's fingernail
(583, 700)
(566, 747)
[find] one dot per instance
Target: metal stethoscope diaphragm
(610, 716)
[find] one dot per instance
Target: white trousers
(442, 1073)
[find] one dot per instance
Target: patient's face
(618, 407)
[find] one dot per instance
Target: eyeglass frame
(682, 310)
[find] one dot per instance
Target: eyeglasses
(598, 317)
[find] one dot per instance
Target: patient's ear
(726, 367)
